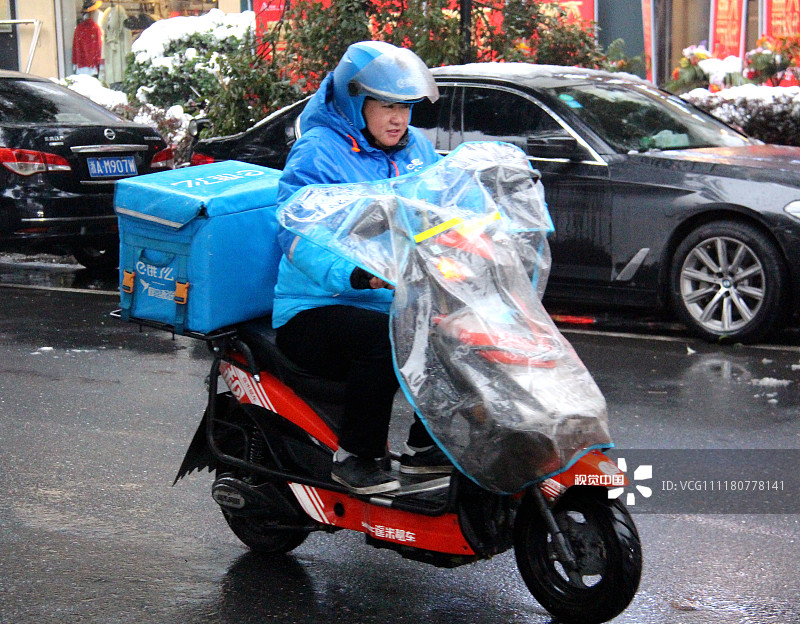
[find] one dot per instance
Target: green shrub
(428, 27)
(318, 37)
(238, 81)
(190, 77)
(617, 60)
(774, 119)
(251, 86)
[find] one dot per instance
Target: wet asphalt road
(95, 417)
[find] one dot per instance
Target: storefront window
(690, 26)
(8, 38)
(5, 14)
(102, 31)
(752, 30)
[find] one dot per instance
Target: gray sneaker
(363, 476)
(430, 461)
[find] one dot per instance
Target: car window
(499, 115)
(434, 118)
(639, 118)
(278, 131)
(24, 102)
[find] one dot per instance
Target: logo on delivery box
(157, 281)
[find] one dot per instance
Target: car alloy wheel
(728, 281)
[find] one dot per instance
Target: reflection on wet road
(50, 271)
(95, 416)
(47, 271)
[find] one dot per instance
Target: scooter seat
(259, 336)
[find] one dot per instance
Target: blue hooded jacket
(331, 151)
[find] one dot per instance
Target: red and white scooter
(499, 388)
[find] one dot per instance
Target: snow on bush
(176, 60)
(152, 45)
(718, 70)
(174, 68)
(771, 114)
(172, 123)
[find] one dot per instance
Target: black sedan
(655, 203)
(61, 154)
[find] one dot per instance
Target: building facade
(40, 35)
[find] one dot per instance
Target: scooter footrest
(408, 486)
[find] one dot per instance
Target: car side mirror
(553, 147)
(196, 126)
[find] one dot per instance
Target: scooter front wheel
(607, 551)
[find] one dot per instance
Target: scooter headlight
(452, 270)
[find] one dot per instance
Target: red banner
(727, 28)
(781, 17)
(647, 24)
(267, 11)
(579, 9)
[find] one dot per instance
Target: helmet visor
(398, 75)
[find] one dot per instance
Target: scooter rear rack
(217, 334)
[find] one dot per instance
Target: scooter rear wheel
(606, 546)
(256, 533)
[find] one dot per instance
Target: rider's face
(386, 121)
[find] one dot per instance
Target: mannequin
(116, 43)
(87, 42)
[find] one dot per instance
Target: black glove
(359, 279)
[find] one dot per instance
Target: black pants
(350, 344)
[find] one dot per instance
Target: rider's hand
(377, 282)
(361, 280)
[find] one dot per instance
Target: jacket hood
(322, 111)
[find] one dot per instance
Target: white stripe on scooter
(310, 501)
(252, 389)
(255, 390)
(316, 499)
(265, 399)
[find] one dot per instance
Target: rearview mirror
(552, 147)
(197, 125)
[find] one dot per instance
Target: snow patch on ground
(770, 382)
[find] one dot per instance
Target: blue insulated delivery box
(198, 245)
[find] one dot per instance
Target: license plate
(111, 167)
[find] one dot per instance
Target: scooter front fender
(594, 468)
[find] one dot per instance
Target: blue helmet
(381, 71)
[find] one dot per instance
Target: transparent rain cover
(465, 244)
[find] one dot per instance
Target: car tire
(728, 282)
(98, 256)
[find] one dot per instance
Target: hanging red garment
(87, 44)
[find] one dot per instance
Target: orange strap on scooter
(181, 292)
(128, 279)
